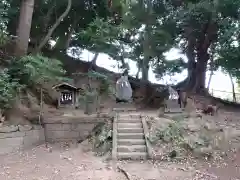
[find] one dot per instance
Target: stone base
(24, 137)
(173, 111)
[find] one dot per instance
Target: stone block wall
(14, 138)
(71, 129)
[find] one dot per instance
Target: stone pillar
(76, 98)
(59, 99)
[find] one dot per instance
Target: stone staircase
(129, 139)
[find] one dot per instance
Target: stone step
(124, 108)
(132, 148)
(132, 155)
(129, 125)
(173, 111)
(130, 136)
(127, 142)
(129, 121)
(130, 130)
(129, 116)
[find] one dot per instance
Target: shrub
(8, 90)
(3, 38)
(34, 71)
(29, 72)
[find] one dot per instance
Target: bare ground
(63, 163)
(77, 162)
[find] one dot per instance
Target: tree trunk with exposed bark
(24, 27)
(233, 88)
(211, 69)
(52, 29)
(198, 56)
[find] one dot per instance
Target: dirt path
(75, 164)
(40, 164)
(225, 169)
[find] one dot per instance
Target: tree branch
(51, 30)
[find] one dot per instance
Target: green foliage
(4, 5)
(169, 67)
(173, 133)
(102, 36)
(28, 72)
(8, 90)
(3, 22)
(34, 71)
(3, 38)
(92, 95)
(89, 97)
(105, 87)
(102, 139)
(139, 30)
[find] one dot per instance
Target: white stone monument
(123, 89)
(172, 102)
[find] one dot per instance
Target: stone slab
(172, 104)
(8, 129)
(33, 137)
(62, 135)
(23, 128)
(12, 135)
(82, 127)
(9, 145)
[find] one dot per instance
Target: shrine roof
(65, 85)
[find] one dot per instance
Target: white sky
(220, 81)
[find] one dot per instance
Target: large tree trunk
(196, 75)
(233, 88)
(52, 29)
(65, 42)
(191, 79)
(94, 60)
(197, 53)
(211, 66)
(210, 79)
(137, 75)
(147, 54)
(207, 38)
(201, 68)
(24, 27)
(145, 69)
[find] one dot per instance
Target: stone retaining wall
(71, 129)
(14, 138)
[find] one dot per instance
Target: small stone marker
(172, 106)
(172, 102)
(190, 107)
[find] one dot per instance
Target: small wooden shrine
(68, 95)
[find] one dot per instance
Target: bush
(8, 90)
(29, 72)
(3, 38)
(34, 71)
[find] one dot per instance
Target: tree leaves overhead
(141, 30)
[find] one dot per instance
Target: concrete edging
(114, 138)
(148, 144)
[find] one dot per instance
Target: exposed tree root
(206, 174)
(126, 174)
